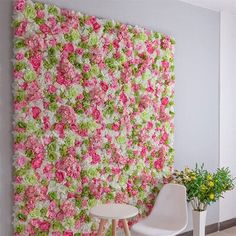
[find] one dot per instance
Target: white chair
(169, 215)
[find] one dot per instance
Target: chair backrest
(170, 208)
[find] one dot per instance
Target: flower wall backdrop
(93, 117)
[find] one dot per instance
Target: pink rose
(104, 86)
(19, 56)
(165, 65)
(44, 226)
(96, 26)
(96, 114)
(36, 112)
(144, 152)
(86, 67)
(123, 98)
(20, 5)
(20, 30)
(60, 176)
(40, 14)
(21, 161)
(52, 89)
(164, 101)
(68, 47)
(56, 233)
(36, 61)
(159, 164)
(36, 163)
(67, 233)
(116, 127)
(45, 28)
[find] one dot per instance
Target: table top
(114, 211)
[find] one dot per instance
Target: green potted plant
(203, 188)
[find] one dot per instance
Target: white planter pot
(199, 223)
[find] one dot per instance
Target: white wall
(196, 31)
(228, 107)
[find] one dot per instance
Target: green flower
(30, 178)
(121, 140)
(69, 223)
(71, 93)
(93, 40)
(29, 76)
(30, 12)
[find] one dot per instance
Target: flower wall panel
(93, 117)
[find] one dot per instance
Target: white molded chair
(169, 215)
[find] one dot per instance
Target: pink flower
(20, 5)
(36, 112)
(159, 164)
(86, 67)
(144, 152)
(52, 89)
(36, 61)
(40, 14)
(164, 101)
(104, 86)
(19, 56)
(116, 127)
(21, 161)
(60, 176)
(56, 233)
(36, 163)
(123, 98)
(45, 28)
(68, 47)
(21, 29)
(165, 65)
(59, 128)
(80, 51)
(68, 233)
(96, 114)
(44, 226)
(96, 26)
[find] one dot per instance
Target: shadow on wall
(5, 119)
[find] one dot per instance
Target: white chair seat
(141, 229)
(168, 216)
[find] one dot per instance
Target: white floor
(227, 232)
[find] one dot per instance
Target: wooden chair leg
(126, 228)
(101, 227)
(114, 224)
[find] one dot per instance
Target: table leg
(101, 227)
(114, 224)
(126, 228)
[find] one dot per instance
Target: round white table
(114, 212)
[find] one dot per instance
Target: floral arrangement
(93, 123)
(203, 187)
